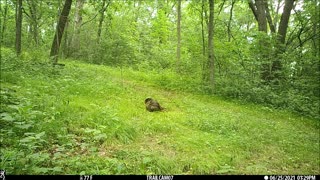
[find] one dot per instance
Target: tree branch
(101, 10)
(254, 9)
(221, 6)
(271, 25)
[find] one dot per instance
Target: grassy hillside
(89, 119)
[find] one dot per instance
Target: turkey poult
(152, 105)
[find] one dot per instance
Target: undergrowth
(90, 119)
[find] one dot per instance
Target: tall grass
(90, 119)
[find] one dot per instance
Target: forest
(238, 81)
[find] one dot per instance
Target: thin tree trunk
(276, 17)
(179, 35)
(268, 15)
(202, 30)
(210, 44)
(4, 23)
(206, 15)
(18, 26)
(204, 61)
(34, 21)
(316, 30)
(75, 41)
(104, 8)
(66, 42)
(230, 19)
(59, 31)
(221, 7)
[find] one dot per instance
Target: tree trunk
(75, 41)
(18, 26)
(259, 11)
(66, 44)
(271, 70)
(178, 35)
(202, 30)
(210, 44)
(276, 17)
(316, 30)
(204, 61)
(59, 31)
(5, 13)
(34, 21)
(283, 26)
(230, 19)
(104, 8)
(268, 15)
(282, 31)
(262, 18)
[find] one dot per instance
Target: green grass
(89, 119)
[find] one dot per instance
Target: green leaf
(100, 136)
(14, 107)
(57, 169)
(7, 117)
(29, 134)
(41, 170)
(23, 126)
(146, 160)
(88, 130)
(38, 136)
(27, 139)
(222, 171)
(225, 169)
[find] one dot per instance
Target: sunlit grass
(91, 119)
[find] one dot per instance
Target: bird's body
(152, 105)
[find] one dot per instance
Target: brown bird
(152, 105)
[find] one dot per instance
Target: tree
(260, 9)
(269, 18)
(59, 31)
(230, 19)
(75, 40)
(210, 44)
(161, 24)
(202, 28)
(103, 9)
(34, 29)
(283, 26)
(179, 35)
(18, 26)
(5, 18)
(282, 31)
(259, 12)
(203, 17)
